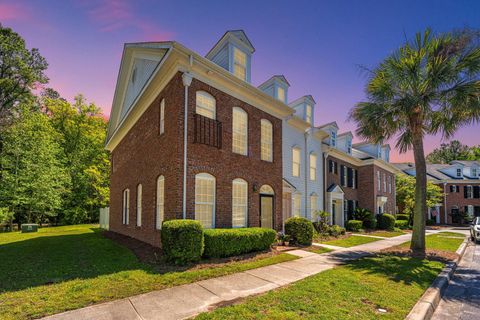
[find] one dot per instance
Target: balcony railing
(207, 131)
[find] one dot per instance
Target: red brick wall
(456, 199)
(350, 193)
(143, 155)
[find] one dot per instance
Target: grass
(319, 250)
(354, 291)
(64, 268)
(350, 241)
(386, 234)
(443, 241)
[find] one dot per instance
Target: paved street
(462, 297)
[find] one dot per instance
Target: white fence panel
(104, 218)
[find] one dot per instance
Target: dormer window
(308, 114)
(333, 139)
(349, 146)
(459, 172)
(239, 64)
(281, 94)
(474, 172)
(379, 153)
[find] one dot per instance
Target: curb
(426, 305)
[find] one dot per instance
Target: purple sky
(317, 45)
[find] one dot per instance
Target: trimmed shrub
(402, 217)
(386, 221)
(370, 222)
(300, 230)
(401, 224)
(336, 231)
(354, 225)
(431, 222)
(231, 242)
(182, 241)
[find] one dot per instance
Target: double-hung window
(266, 140)
(296, 162)
(205, 199)
(239, 203)
(160, 208)
(126, 206)
(308, 114)
(162, 116)
(205, 105)
(240, 131)
(313, 204)
(313, 166)
(297, 204)
(239, 64)
(139, 205)
(379, 181)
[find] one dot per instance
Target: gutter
(187, 80)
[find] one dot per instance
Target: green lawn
(353, 291)
(350, 241)
(319, 250)
(65, 268)
(444, 241)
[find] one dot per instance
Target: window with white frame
(160, 203)
(349, 146)
(205, 105)
(239, 64)
(239, 203)
(344, 176)
(162, 116)
(281, 94)
(139, 205)
(469, 192)
(459, 172)
(379, 181)
(308, 114)
(313, 166)
(474, 172)
(126, 206)
(296, 162)
(333, 139)
(313, 204)
(239, 131)
(354, 179)
(205, 199)
(297, 204)
(384, 182)
(266, 140)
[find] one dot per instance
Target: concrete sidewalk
(188, 300)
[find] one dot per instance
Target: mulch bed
(435, 255)
(153, 255)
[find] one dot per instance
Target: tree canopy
(405, 188)
(454, 150)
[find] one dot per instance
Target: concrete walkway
(188, 300)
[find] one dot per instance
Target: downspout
(187, 80)
(445, 202)
(307, 169)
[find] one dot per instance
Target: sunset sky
(317, 45)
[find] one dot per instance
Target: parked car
(475, 229)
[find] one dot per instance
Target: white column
(187, 80)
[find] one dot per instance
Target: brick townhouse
(356, 176)
(191, 138)
(460, 184)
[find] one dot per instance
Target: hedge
(300, 230)
(182, 241)
(370, 223)
(402, 224)
(354, 225)
(336, 231)
(386, 221)
(232, 242)
(402, 216)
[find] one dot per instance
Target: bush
(431, 222)
(370, 223)
(232, 242)
(182, 240)
(402, 224)
(354, 225)
(386, 221)
(336, 231)
(300, 230)
(362, 214)
(402, 217)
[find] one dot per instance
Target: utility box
(29, 227)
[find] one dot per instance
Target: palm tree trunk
(418, 236)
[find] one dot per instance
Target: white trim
(239, 182)
(125, 206)
(207, 177)
(139, 205)
(160, 202)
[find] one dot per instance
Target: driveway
(462, 297)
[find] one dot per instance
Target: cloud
(13, 11)
(117, 15)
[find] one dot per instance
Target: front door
(266, 211)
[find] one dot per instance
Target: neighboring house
(302, 153)
(190, 137)
(460, 183)
(356, 176)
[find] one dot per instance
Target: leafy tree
(405, 194)
(448, 152)
(428, 86)
(82, 129)
(20, 71)
(474, 153)
(33, 179)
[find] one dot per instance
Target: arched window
(205, 199)
(126, 206)
(160, 206)
(313, 204)
(239, 131)
(266, 189)
(266, 140)
(239, 203)
(139, 205)
(206, 105)
(297, 204)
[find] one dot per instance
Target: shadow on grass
(45, 260)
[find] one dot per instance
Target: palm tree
(430, 85)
